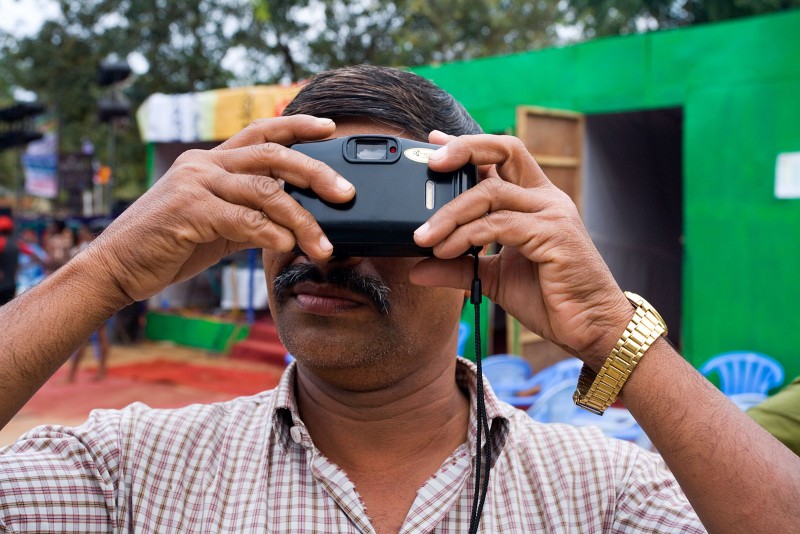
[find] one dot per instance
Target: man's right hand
(216, 202)
(209, 204)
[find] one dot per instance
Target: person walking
(9, 260)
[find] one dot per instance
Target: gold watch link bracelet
(597, 391)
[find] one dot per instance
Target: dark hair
(386, 95)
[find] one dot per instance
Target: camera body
(396, 192)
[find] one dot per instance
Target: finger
(527, 232)
(488, 196)
(266, 196)
(269, 160)
(434, 272)
(241, 224)
(441, 138)
(283, 130)
(513, 161)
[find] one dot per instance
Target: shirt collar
(288, 427)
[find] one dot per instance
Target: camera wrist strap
(481, 483)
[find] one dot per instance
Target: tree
(183, 42)
(193, 45)
(597, 18)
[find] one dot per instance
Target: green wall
(739, 86)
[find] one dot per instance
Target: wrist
(92, 276)
(613, 324)
(596, 391)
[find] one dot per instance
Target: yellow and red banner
(210, 115)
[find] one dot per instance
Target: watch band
(597, 391)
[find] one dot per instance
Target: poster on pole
(40, 167)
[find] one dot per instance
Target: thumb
(435, 272)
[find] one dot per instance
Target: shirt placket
(437, 497)
(334, 480)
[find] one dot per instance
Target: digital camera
(396, 192)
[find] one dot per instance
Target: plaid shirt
(249, 465)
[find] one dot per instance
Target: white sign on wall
(787, 175)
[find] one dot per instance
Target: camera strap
(481, 482)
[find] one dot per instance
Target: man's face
(360, 314)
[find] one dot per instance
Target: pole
(112, 142)
(251, 266)
(20, 182)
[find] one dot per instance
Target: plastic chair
(567, 369)
(555, 405)
(745, 377)
(510, 374)
(506, 374)
(463, 334)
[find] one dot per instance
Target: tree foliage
(191, 45)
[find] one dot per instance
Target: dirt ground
(66, 403)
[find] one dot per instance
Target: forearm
(43, 326)
(737, 476)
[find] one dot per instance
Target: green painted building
(683, 132)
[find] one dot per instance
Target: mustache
(370, 287)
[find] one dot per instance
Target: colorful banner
(210, 115)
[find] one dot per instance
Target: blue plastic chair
(745, 377)
(509, 375)
(555, 405)
(506, 372)
(463, 334)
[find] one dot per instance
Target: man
(780, 415)
(9, 260)
(32, 258)
(372, 430)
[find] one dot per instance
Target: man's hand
(209, 204)
(548, 274)
(212, 203)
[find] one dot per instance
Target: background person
(9, 260)
(32, 259)
(58, 241)
(780, 415)
(99, 339)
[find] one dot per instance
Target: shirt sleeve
(650, 499)
(60, 479)
(780, 415)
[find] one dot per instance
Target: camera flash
(430, 187)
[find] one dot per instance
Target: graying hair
(386, 95)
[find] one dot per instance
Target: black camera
(396, 192)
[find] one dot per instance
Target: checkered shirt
(250, 465)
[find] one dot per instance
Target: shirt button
(296, 435)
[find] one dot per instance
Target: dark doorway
(633, 203)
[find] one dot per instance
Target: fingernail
(439, 154)
(422, 230)
(343, 185)
(325, 245)
(324, 122)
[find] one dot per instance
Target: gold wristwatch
(597, 391)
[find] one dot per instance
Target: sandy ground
(59, 402)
